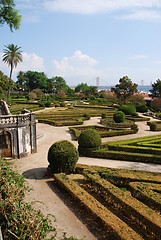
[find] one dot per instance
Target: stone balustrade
(16, 120)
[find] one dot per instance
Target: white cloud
(79, 67)
(31, 61)
(96, 6)
(128, 9)
(151, 15)
(138, 57)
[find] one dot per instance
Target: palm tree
(12, 55)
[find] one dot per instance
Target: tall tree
(12, 56)
(156, 88)
(124, 89)
(6, 83)
(9, 14)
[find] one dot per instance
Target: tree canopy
(12, 56)
(5, 84)
(156, 88)
(87, 90)
(31, 80)
(124, 89)
(9, 14)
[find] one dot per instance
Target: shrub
(156, 104)
(136, 99)
(48, 103)
(119, 117)
(89, 138)
(134, 127)
(153, 126)
(41, 103)
(62, 157)
(57, 105)
(141, 108)
(104, 115)
(62, 104)
(128, 109)
(87, 116)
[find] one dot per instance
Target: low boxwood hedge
(116, 228)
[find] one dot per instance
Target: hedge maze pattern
(127, 203)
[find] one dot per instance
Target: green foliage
(156, 88)
(124, 89)
(41, 103)
(57, 105)
(89, 138)
(136, 99)
(86, 90)
(5, 84)
(63, 104)
(104, 115)
(156, 103)
(9, 14)
(31, 80)
(48, 103)
(12, 56)
(86, 116)
(141, 108)
(128, 109)
(119, 117)
(62, 157)
(153, 126)
(19, 220)
(135, 127)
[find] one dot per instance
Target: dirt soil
(49, 198)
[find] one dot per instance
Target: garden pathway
(45, 193)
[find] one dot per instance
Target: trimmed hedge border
(59, 123)
(128, 207)
(108, 132)
(116, 227)
(147, 193)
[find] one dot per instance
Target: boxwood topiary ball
(89, 138)
(119, 117)
(62, 157)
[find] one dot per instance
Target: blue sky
(81, 40)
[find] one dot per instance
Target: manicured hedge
(155, 125)
(134, 149)
(61, 123)
(128, 208)
(116, 228)
(125, 156)
(103, 131)
(149, 193)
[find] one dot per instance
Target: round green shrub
(104, 115)
(62, 157)
(128, 109)
(57, 105)
(62, 104)
(135, 127)
(153, 126)
(87, 116)
(89, 138)
(119, 117)
(141, 108)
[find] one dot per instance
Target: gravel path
(50, 199)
